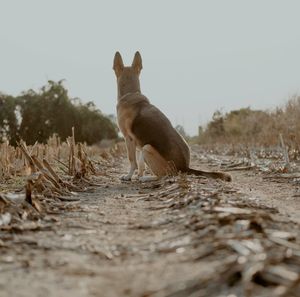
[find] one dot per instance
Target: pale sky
(198, 56)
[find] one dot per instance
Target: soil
(128, 239)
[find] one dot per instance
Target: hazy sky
(198, 56)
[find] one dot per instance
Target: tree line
(37, 115)
(255, 127)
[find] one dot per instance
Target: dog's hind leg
(157, 164)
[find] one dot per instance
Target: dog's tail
(213, 174)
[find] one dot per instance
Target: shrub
(255, 127)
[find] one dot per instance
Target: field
(70, 227)
(84, 83)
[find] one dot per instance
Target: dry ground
(183, 236)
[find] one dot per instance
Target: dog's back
(151, 126)
(148, 125)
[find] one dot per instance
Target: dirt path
(281, 195)
(133, 239)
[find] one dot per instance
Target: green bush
(35, 116)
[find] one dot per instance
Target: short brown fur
(147, 129)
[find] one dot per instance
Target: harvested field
(181, 236)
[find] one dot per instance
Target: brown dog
(147, 129)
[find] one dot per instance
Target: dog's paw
(126, 177)
(147, 178)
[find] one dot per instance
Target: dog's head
(128, 76)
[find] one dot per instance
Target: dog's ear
(118, 64)
(137, 63)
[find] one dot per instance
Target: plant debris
(178, 236)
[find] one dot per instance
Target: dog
(148, 130)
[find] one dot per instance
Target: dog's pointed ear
(137, 62)
(118, 64)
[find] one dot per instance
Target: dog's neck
(124, 93)
(132, 86)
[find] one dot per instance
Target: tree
(181, 131)
(49, 111)
(8, 119)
